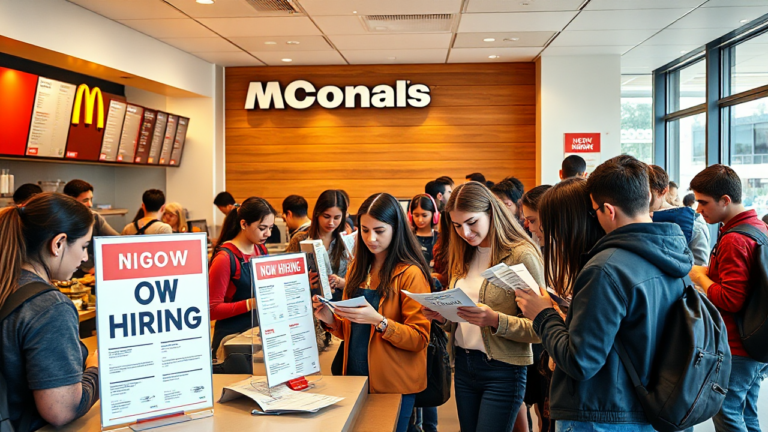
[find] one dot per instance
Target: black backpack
(13, 302)
(143, 230)
(691, 369)
(752, 320)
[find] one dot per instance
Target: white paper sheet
(351, 303)
(446, 303)
(279, 399)
(319, 262)
(349, 243)
(511, 277)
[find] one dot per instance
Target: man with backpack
(728, 282)
(626, 318)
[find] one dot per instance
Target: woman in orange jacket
(387, 339)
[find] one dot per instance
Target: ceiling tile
(134, 9)
(696, 37)
(644, 65)
(220, 9)
(724, 3)
(230, 58)
(480, 55)
(317, 8)
(268, 26)
(396, 56)
(586, 50)
(665, 51)
(601, 37)
(214, 44)
(169, 28)
(720, 17)
(340, 25)
(646, 19)
(510, 22)
(642, 4)
(634, 71)
(392, 41)
(524, 39)
(305, 43)
(523, 6)
(300, 58)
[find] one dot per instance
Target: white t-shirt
(468, 335)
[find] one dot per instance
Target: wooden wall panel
(481, 119)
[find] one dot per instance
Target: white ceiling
(646, 33)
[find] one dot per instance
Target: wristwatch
(382, 326)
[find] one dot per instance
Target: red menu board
(17, 97)
(170, 137)
(145, 136)
(134, 117)
(84, 142)
(178, 142)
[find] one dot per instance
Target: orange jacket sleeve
(413, 333)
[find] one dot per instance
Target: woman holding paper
(385, 340)
(328, 225)
(493, 347)
(243, 235)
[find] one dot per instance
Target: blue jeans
(406, 409)
(574, 426)
(739, 410)
(488, 392)
(426, 419)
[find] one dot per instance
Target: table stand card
(286, 321)
(153, 329)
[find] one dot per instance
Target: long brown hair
(327, 200)
(403, 249)
(27, 230)
(505, 232)
(441, 245)
(569, 232)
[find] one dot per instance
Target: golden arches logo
(90, 101)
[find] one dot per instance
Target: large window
(748, 136)
(688, 87)
(637, 116)
(748, 64)
(688, 148)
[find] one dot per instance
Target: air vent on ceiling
(275, 7)
(421, 23)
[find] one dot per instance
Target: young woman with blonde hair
(175, 216)
(493, 347)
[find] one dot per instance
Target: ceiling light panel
(220, 9)
(646, 19)
(523, 5)
(269, 26)
(524, 39)
(601, 37)
(418, 23)
(392, 42)
(317, 8)
(169, 28)
(480, 55)
(134, 9)
(306, 43)
(514, 22)
(415, 56)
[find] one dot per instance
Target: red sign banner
(281, 268)
(582, 143)
(151, 259)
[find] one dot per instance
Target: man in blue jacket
(625, 290)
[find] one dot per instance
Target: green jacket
(511, 342)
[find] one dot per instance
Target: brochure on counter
(286, 322)
(153, 326)
(446, 303)
(276, 400)
(512, 278)
(319, 262)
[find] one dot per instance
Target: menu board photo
(157, 138)
(84, 141)
(50, 118)
(112, 131)
(178, 142)
(170, 136)
(145, 136)
(134, 117)
(17, 97)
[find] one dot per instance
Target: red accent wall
(18, 96)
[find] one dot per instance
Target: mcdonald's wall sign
(91, 97)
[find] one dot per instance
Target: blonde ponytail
(13, 251)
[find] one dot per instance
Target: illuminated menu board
(157, 138)
(50, 118)
(84, 142)
(145, 136)
(178, 142)
(112, 131)
(17, 97)
(134, 116)
(170, 136)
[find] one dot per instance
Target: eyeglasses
(593, 212)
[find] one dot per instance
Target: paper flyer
(280, 399)
(319, 262)
(446, 303)
(511, 277)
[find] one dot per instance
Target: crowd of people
(611, 252)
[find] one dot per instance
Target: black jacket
(631, 280)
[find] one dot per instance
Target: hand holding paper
(446, 303)
(516, 277)
(531, 305)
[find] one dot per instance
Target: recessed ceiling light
(354, 12)
(743, 21)
(513, 39)
(489, 40)
(293, 42)
(270, 43)
(287, 60)
(493, 56)
(683, 52)
(205, 1)
(391, 58)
